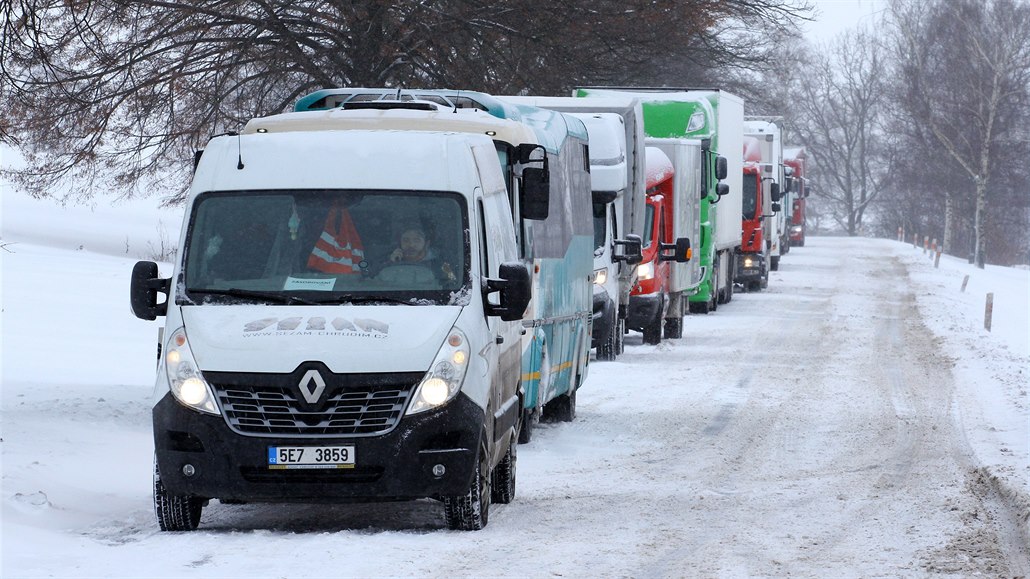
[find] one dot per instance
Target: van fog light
(439, 470)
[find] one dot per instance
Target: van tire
(609, 346)
(470, 511)
(620, 333)
(175, 512)
(502, 490)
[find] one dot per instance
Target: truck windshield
(750, 195)
(318, 247)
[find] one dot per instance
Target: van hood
(349, 338)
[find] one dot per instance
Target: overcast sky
(835, 16)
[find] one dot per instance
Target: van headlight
(445, 376)
(184, 378)
(645, 270)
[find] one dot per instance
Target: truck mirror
(196, 158)
(774, 192)
(604, 197)
(680, 252)
(776, 207)
(632, 249)
(536, 193)
(143, 289)
(721, 190)
(721, 168)
(515, 287)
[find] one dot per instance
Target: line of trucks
(378, 295)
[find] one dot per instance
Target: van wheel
(673, 328)
(620, 335)
(607, 350)
(503, 488)
(470, 511)
(562, 408)
(175, 512)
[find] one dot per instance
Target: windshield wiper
(356, 299)
(242, 293)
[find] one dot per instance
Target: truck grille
(351, 405)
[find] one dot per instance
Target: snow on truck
(716, 118)
(616, 130)
(337, 329)
(753, 261)
(555, 241)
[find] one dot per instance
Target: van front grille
(350, 405)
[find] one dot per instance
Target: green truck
(716, 117)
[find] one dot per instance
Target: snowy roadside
(991, 369)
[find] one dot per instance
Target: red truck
(794, 158)
(752, 270)
(656, 298)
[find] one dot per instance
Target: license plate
(286, 457)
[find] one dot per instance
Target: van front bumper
(397, 465)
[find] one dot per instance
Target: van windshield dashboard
(313, 247)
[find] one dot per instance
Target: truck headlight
(795, 229)
(600, 276)
(645, 270)
(749, 261)
(445, 376)
(184, 378)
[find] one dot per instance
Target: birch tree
(964, 71)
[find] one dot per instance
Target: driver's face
(413, 245)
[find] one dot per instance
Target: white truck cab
(343, 323)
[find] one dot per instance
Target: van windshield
(317, 247)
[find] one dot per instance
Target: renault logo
(312, 394)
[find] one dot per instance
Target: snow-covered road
(818, 428)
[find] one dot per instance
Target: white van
(343, 323)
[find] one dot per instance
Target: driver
(414, 249)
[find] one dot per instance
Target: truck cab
(753, 261)
(342, 323)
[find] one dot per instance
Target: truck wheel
(700, 307)
(653, 331)
(470, 511)
(175, 512)
(673, 328)
(774, 263)
(502, 490)
(607, 350)
(562, 408)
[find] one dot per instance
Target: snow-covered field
(854, 420)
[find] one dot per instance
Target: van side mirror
(515, 287)
(143, 289)
(721, 168)
(776, 207)
(774, 192)
(536, 193)
(679, 252)
(632, 249)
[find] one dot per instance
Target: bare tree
(837, 111)
(115, 95)
(963, 67)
